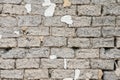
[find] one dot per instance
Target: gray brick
(14, 9)
(102, 64)
(60, 10)
(89, 32)
(93, 10)
(63, 52)
(81, 21)
(118, 21)
(49, 63)
(13, 74)
(33, 2)
(57, 1)
(87, 53)
(54, 41)
(118, 42)
(36, 73)
(60, 73)
(7, 63)
(74, 63)
(7, 42)
(56, 31)
(79, 42)
(1, 6)
(8, 22)
(38, 53)
(29, 20)
(117, 31)
(102, 42)
(37, 31)
(15, 53)
(27, 63)
(104, 2)
(11, 1)
(103, 21)
(28, 42)
(80, 1)
(53, 21)
(108, 31)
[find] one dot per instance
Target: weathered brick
(8, 21)
(38, 53)
(81, 21)
(37, 31)
(14, 9)
(33, 2)
(1, 6)
(80, 1)
(78, 42)
(88, 32)
(14, 74)
(118, 42)
(7, 42)
(28, 42)
(27, 63)
(36, 73)
(63, 52)
(60, 10)
(29, 20)
(49, 63)
(54, 41)
(93, 10)
(7, 63)
(117, 31)
(102, 64)
(102, 42)
(108, 31)
(87, 53)
(103, 21)
(78, 63)
(60, 73)
(118, 21)
(103, 1)
(56, 31)
(15, 53)
(11, 1)
(53, 21)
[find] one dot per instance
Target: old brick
(14, 9)
(33, 2)
(7, 63)
(49, 63)
(8, 22)
(102, 64)
(118, 21)
(118, 42)
(15, 53)
(103, 21)
(27, 63)
(108, 31)
(102, 42)
(1, 6)
(38, 53)
(103, 1)
(117, 31)
(28, 42)
(93, 10)
(36, 73)
(80, 1)
(89, 32)
(7, 42)
(80, 63)
(53, 21)
(78, 42)
(63, 52)
(87, 53)
(11, 1)
(54, 41)
(14, 74)
(60, 73)
(81, 21)
(29, 20)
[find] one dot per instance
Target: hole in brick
(74, 48)
(114, 41)
(116, 64)
(8, 49)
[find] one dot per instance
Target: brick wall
(37, 47)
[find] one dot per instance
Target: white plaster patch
(117, 72)
(53, 57)
(68, 79)
(77, 73)
(0, 36)
(28, 8)
(88, 76)
(46, 3)
(67, 19)
(17, 32)
(50, 10)
(65, 63)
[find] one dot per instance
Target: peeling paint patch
(46, 3)
(67, 19)
(88, 76)
(68, 79)
(28, 8)
(77, 73)
(53, 57)
(50, 10)
(67, 3)
(65, 63)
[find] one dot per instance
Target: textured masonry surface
(35, 47)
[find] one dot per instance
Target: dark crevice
(75, 48)
(8, 49)
(114, 41)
